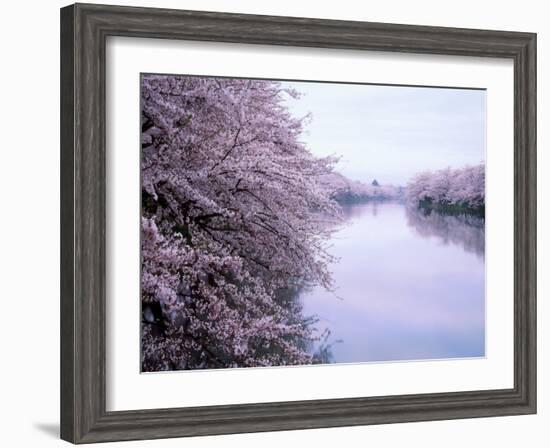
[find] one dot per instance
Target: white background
(29, 229)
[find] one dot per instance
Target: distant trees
(449, 189)
(345, 190)
(232, 211)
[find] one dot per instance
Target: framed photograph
(275, 223)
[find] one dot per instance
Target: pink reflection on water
(411, 287)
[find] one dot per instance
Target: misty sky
(391, 133)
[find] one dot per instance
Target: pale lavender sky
(391, 132)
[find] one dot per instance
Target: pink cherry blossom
(462, 188)
(234, 212)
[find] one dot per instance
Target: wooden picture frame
(84, 29)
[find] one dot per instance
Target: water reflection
(402, 294)
(467, 231)
(355, 210)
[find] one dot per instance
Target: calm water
(409, 286)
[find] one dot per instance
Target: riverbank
(355, 200)
(452, 209)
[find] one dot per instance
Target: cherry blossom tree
(234, 215)
(460, 189)
(345, 190)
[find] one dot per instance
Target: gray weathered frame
(84, 29)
